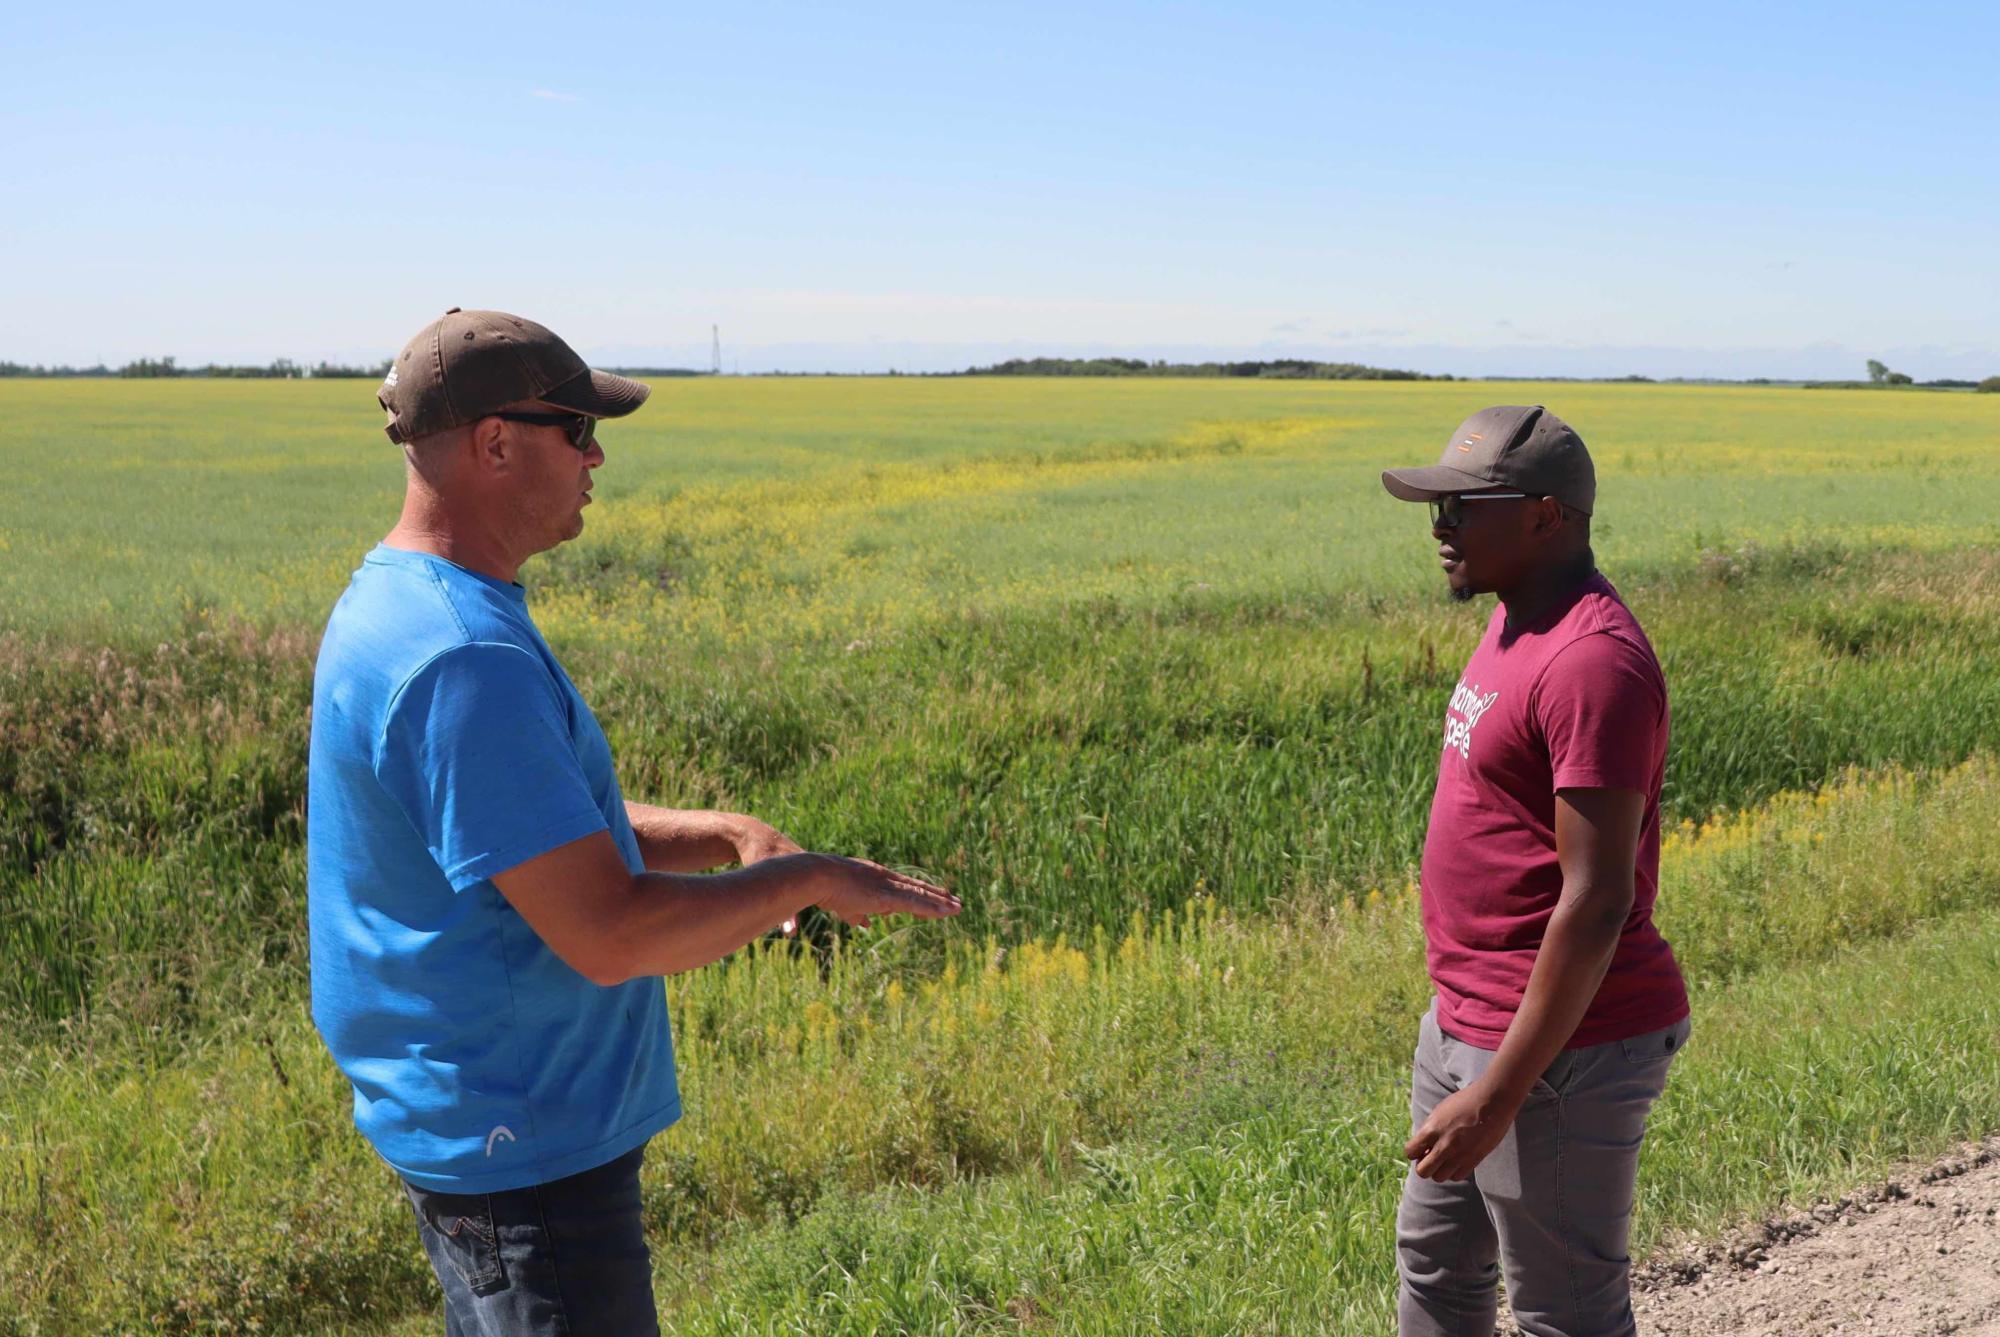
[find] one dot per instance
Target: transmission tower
(715, 350)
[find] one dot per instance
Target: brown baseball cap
(1523, 448)
(467, 364)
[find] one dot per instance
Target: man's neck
(1546, 588)
(427, 527)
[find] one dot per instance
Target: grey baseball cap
(1521, 448)
(467, 364)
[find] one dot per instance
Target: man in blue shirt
(488, 914)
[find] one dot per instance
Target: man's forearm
(683, 840)
(675, 922)
(1576, 951)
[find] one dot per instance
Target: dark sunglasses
(577, 427)
(1447, 511)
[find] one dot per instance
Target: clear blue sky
(1479, 188)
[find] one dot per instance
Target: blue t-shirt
(449, 745)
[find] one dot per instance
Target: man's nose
(593, 454)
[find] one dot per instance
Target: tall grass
(1273, 1211)
(1061, 771)
(1131, 1092)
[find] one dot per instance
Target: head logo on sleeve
(1463, 715)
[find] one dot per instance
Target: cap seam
(1522, 432)
(532, 373)
(585, 375)
(444, 382)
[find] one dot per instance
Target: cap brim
(1440, 480)
(599, 394)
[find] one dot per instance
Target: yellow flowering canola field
(762, 510)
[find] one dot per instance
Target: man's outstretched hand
(610, 924)
(858, 890)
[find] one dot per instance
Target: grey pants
(1552, 1204)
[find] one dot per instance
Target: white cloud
(550, 95)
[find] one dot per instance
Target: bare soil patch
(1914, 1256)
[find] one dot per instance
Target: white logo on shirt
(1469, 706)
(499, 1131)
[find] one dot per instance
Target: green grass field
(1149, 671)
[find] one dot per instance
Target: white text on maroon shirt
(1467, 705)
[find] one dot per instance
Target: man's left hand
(1462, 1131)
(756, 841)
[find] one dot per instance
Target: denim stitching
(555, 1258)
(485, 1230)
(480, 1228)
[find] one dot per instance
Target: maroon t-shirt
(1573, 700)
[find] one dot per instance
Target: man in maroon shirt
(1559, 1006)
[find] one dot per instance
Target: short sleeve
(476, 750)
(1601, 705)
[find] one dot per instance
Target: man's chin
(1463, 594)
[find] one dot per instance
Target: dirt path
(1913, 1257)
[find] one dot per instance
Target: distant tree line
(23, 369)
(1880, 377)
(1284, 369)
(283, 369)
(1278, 369)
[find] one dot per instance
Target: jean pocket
(463, 1225)
(1554, 1082)
(1656, 1046)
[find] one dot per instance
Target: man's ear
(1549, 517)
(492, 446)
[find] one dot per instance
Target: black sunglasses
(1447, 511)
(577, 427)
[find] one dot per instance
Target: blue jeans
(1552, 1206)
(565, 1257)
